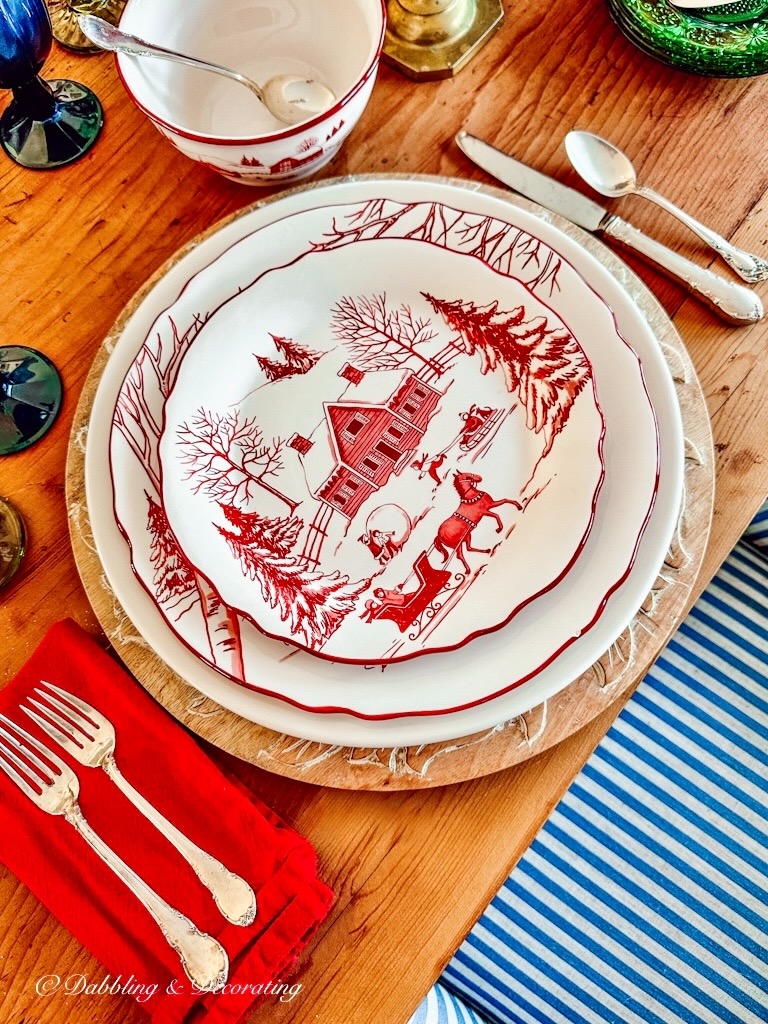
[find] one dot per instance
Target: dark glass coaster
(64, 21)
(12, 540)
(30, 397)
(61, 138)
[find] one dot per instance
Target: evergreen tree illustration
(297, 359)
(300, 358)
(273, 369)
(545, 367)
(276, 534)
(173, 575)
(314, 604)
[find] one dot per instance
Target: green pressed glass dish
(729, 41)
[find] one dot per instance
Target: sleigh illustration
(478, 424)
(405, 609)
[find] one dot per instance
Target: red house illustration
(372, 441)
(288, 163)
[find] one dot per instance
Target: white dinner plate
(549, 641)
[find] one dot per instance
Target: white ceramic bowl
(220, 123)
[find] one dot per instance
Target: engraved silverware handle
(109, 37)
(748, 266)
(204, 960)
(733, 302)
(232, 894)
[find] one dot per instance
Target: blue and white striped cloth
(757, 531)
(441, 1006)
(644, 898)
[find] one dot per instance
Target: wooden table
(412, 870)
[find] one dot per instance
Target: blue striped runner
(441, 1006)
(644, 898)
(757, 531)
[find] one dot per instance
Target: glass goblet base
(54, 141)
(12, 541)
(30, 397)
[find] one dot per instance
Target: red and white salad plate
(376, 419)
(368, 446)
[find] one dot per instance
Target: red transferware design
(317, 422)
(289, 482)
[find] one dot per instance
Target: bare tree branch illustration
(379, 338)
(368, 222)
(503, 246)
(137, 421)
(228, 459)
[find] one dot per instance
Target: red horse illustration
(454, 533)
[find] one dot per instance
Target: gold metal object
(64, 20)
(432, 39)
(12, 541)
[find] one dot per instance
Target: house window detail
(355, 425)
(346, 490)
(370, 464)
(388, 450)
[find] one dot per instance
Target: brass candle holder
(64, 15)
(432, 39)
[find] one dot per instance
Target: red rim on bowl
(288, 131)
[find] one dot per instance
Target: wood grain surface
(412, 869)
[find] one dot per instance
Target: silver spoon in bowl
(611, 173)
(289, 98)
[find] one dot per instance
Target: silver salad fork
(90, 738)
(55, 789)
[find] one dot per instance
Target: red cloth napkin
(165, 764)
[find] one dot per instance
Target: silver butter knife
(733, 302)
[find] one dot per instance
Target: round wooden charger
(434, 764)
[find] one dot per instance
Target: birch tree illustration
(138, 419)
(155, 370)
(227, 458)
(313, 604)
(545, 366)
(380, 338)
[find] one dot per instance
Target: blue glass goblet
(46, 124)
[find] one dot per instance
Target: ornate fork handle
(204, 960)
(232, 894)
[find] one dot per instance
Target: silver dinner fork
(55, 789)
(90, 738)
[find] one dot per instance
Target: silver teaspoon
(289, 98)
(610, 172)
